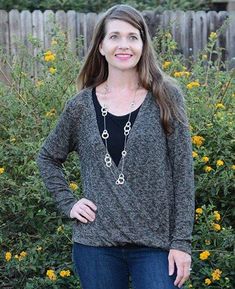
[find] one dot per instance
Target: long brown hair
(165, 89)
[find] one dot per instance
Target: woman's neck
(122, 81)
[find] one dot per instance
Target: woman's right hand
(83, 210)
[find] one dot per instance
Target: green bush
(35, 240)
(98, 6)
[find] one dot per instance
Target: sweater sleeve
(180, 154)
(53, 152)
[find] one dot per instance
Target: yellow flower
(73, 186)
(207, 169)
(204, 255)
(205, 159)
(52, 70)
(166, 64)
(207, 281)
(213, 35)
(168, 35)
(8, 256)
(60, 229)
(217, 216)
(53, 42)
(50, 113)
(39, 248)
(216, 274)
(65, 273)
(181, 73)
(219, 115)
(190, 286)
(199, 210)
(51, 275)
(219, 163)
(2, 170)
(194, 154)
(12, 139)
(39, 83)
(233, 167)
(23, 254)
(186, 73)
(172, 46)
(193, 84)
(197, 140)
(49, 56)
(207, 242)
(204, 56)
(216, 227)
(219, 105)
(23, 74)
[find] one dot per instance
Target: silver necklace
(105, 135)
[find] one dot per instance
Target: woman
(130, 130)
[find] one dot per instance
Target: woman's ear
(101, 49)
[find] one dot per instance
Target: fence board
(231, 38)
(48, 19)
(38, 32)
(26, 28)
(82, 30)
(72, 30)
(4, 39)
(201, 29)
(15, 31)
(4, 35)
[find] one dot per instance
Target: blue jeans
(115, 267)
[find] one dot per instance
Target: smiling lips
(123, 56)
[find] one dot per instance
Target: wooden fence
(189, 29)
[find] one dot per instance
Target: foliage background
(98, 6)
(34, 237)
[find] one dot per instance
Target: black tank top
(115, 125)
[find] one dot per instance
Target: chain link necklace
(105, 135)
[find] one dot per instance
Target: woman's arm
(180, 153)
(54, 151)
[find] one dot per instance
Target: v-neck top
(115, 126)
(155, 205)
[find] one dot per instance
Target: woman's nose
(123, 44)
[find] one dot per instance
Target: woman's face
(122, 45)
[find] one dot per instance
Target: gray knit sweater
(155, 205)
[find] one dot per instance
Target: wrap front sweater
(155, 205)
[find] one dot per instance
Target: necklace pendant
(127, 128)
(124, 153)
(104, 110)
(108, 160)
(105, 134)
(120, 180)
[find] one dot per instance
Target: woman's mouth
(123, 56)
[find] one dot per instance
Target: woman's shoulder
(77, 103)
(79, 99)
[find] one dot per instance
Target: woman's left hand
(183, 264)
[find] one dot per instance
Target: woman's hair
(165, 89)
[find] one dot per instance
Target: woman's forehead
(119, 26)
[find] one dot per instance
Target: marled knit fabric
(155, 205)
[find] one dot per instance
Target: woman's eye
(133, 37)
(113, 36)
